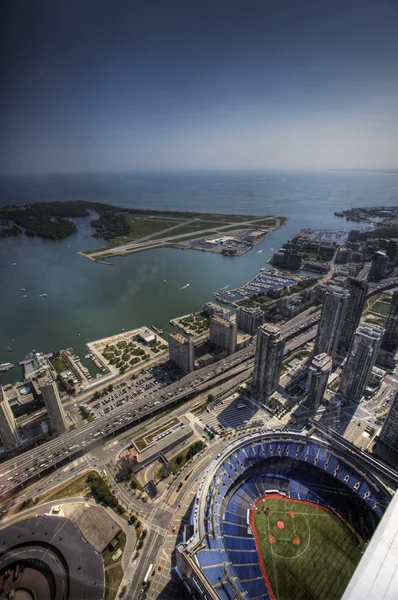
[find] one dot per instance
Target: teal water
(97, 300)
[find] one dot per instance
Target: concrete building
(379, 265)
(223, 333)
(211, 308)
(181, 352)
(332, 319)
(392, 251)
(331, 416)
(390, 339)
(360, 361)
(319, 372)
(389, 433)
(249, 319)
(9, 437)
(356, 301)
(52, 402)
(268, 359)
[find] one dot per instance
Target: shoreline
(180, 245)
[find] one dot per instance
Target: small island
(130, 230)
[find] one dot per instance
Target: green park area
(196, 323)
(179, 460)
(60, 362)
(307, 551)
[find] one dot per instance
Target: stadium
(282, 515)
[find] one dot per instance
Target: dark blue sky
(119, 85)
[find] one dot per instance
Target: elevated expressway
(19, 470)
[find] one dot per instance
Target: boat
(156, 330)
(43, 295)
(22, 289)
(9, 349)
(6, 366)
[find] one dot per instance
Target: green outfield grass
(312, 557)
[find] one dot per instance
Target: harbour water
(96, 300)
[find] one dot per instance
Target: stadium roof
(376, 577)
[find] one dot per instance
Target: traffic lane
(95, 427)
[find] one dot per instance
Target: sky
(119, 85)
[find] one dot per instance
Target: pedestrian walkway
(232, 413)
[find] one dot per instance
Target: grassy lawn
(381, 307)
(107, 554)
(73, 489)
(142, 226)
(194, 228)
(180, 459)
(113, 578)
(312, 556)
(376, 320)
(60, 364)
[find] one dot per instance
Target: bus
(241, 406)
(148, 573)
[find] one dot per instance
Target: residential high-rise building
(356, 301)
(379, 265)
(360, 361)
(268, 359)
(223, 333)
(249, 319)
(389, 433)
(331, 322)
(52, 402)
(318, 376)
(181, 352)
(9, 437)
(390, 339)
(392, 251)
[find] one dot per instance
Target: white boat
(6, 366)
(22, 290)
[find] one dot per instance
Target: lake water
(97, 300)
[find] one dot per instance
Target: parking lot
(146, 384)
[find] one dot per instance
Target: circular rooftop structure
(221, 559)
(47, 558)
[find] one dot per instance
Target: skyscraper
(389, 432)
(249, 319)
(392, 251)
(357, 290)
(390, 339)
(379, 265)
(223, 333)
(319, 372)
(268, 359)
(331, 322)
(181, 351)
(360, 361)
(52, 402)
(9, 437)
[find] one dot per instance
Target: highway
(20, 469)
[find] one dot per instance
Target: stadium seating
(300, 469)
